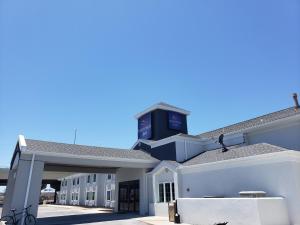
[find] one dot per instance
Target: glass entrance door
(129, 196)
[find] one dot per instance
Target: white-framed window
(78, 181)
(88, 179)
(108, 176)
(90, 195)
(63, 197)
(108, 195)
(94, 178)
(166, 192)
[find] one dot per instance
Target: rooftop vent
(295, 96)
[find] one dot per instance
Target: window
(90, 195)
(108, 176)
(78, 181)
(88, 179)
(108, 195)
(94, 178)
(63, 197)
(74, 196)
(73, 182)
(161, 193)
(166, 192)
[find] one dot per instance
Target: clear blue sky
(94, 64)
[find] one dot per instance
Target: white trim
(154, 188)
(164, 107)
(22, 143)
(163, 165)
(176, 185)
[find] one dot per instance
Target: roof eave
(164, 107)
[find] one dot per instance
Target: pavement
(67, 215)
(75, 215)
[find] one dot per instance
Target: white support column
(20, 196)
(176, 184)
(154, 189)
(28, 188)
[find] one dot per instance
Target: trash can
(171, 210)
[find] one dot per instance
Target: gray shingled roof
(233, 153)
(258, 121)
(83, 150)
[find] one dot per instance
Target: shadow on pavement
(84, 218)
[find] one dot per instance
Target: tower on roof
(160, 121)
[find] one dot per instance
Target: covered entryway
(129, 196)
(33, 157)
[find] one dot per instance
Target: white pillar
(17, 183)
(175, 175)
(154, 188)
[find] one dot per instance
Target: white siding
(287, 136)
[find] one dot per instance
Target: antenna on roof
(75, 135)
(221, 141)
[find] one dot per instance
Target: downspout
(28, 188)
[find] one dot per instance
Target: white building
(95, 190)
(208, 174)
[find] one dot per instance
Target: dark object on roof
(297, 106)
(221, 141)
(83, 150)
(234, 153)
(221, 223)
(258, 121)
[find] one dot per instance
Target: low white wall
(275, 176)
(158, 209)
(235, 211)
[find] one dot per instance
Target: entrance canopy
(62, 157)
(32, 157)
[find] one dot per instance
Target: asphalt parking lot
(75, 215)
(67, 215)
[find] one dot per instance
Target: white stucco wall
(235, 211)
(286, 135)
(158, 209)
(277, 178)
